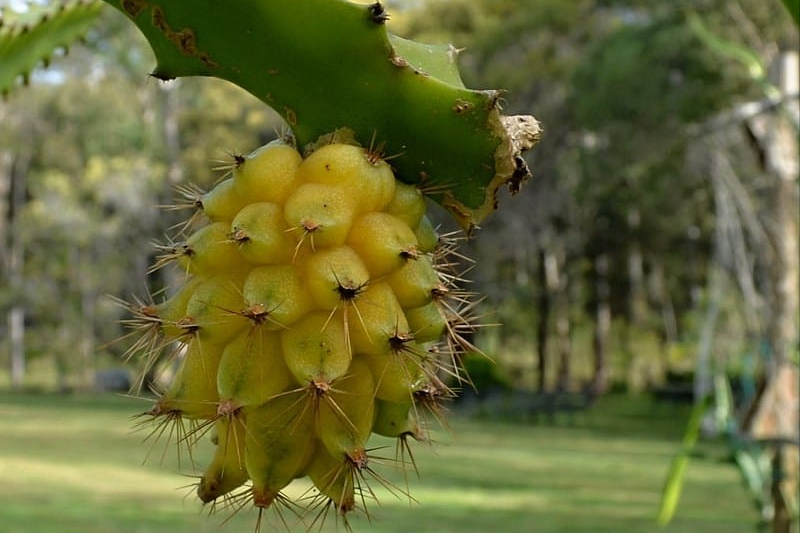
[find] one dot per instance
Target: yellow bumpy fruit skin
(260, 231)
(251, 370)
(193, 391)
(269, 174)
(383, 242)
(276, 296)
(221, 203)
(210, 250)
(396, 420)
(315, 349)
(378, 318)
(280, 443)
(335, 276)
(427, 322)
(370, 181)
(408, 204)
(320, 215)
(427, 237)
(315, 301)
(227, 471)
(347, 411)
(334, 478)
(215, 308)
(414, 283)
(172, 311)
(395, 375)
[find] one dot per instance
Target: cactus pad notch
(26, 44)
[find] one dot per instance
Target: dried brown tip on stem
(260, 314)
(320, 388)
(410, 253)
(358, 458)
(239, 236)
(377, 13)
(278, 504)
(399, 341)
(228, 408)
(263, 498)
(349, 291)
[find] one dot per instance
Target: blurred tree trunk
(658, 288)
(637, 300)
(668, 330)
(544, 305)
(14, 263)
(777, 139)
(636, 305)
(602, 325)
(550, 299)
(6, 162)
(83, 288)
(6, 166)
(776, 135)
(563, 323)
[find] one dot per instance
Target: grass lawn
(70, 464)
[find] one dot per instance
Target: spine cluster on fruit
(319, 306)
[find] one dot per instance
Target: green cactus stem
(330, 65)
(26, 45)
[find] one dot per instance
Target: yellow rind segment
(395, 376)
(172, 311)
(369, 180)
(268, 174)
(279, 292)
(221, 203)
(315, 349)
(215, 307)
(251, 369)
(280, 444)
(426, 322)
(193, 391)
(226, 471)
(383, 242)
(396, 419)
(413, 284)
(259, 230)
(334, 478)
(346, 412)
(328, 271)
(319, 215)
(407, 204)
(210, 250)
(427, 236)
(377, 318)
